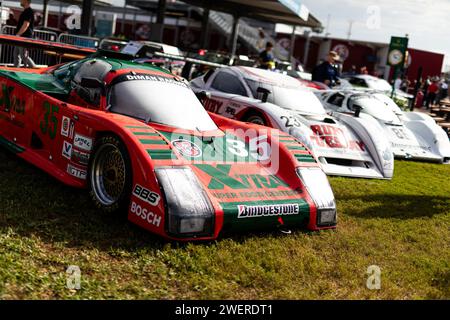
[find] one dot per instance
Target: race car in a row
(368, 82)
(138, 138)
(344, 144)
(412, 135)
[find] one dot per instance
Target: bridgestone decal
(266, 211)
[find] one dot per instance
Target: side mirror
(91, 83)
(202, 95)
(357, 109)
(265, 93)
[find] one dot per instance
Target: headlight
(189, 210)
(319, 189)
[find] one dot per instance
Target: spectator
(433, 89)
(404, 84)
(11, 20)
(24, 29)
(397, 83)
(261, 39)
(326, 72)
(443, 88)
(352, 71)
(266, 60)
(364, 70)
(426, 84)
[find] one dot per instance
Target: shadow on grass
(34, 203)
(397, 206)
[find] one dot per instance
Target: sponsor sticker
(146, 195)
(82, 142)
(145, 214)
(76, 172)
(67, 150)
(187, 148)
(268, 210)
(71, 130)
(65, 126)
(80, 157)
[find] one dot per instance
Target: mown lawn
(402, 226)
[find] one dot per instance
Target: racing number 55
(49, 125)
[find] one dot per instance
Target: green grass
(403, 226)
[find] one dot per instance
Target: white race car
(345, 145)
(365, 81)
(412, 135)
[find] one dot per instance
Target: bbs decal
(146, 195)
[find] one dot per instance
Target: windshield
(379, 84)
(374, 107)
(160, 100)
(294, 97)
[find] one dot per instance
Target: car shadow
(396, 206)
(32, 203)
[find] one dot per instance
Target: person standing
(24, 28)
(266, 60)
(433, 89)
(397, 83)
(326, 72)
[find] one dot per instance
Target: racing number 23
(49, 125)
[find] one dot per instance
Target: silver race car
(345, 145)
(412, 135)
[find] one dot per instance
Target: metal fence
(39, 56)
(81, 41)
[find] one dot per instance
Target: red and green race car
(139, 139)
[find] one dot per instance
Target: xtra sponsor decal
(67, 150)
(145, 214)
(146, 195)
(76, 172)
(187, 148)
(82, 142)
(245, 211)
(221, 177)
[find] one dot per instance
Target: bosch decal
(145, 214)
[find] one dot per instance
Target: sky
(427, 22)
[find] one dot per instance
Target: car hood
(231, 177)
(405, 143)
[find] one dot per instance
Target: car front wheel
(110, 175)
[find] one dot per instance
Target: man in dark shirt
(326, 72)
(266, 57)
(24, 29)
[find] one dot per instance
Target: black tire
(110, 175)
(255, 117)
